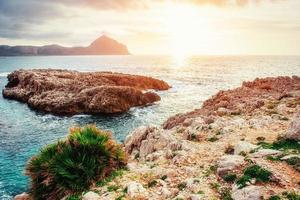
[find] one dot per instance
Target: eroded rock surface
(72, 92)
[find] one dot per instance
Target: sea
(193, 79)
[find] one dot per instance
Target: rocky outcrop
(294, 129)
(90, 196)
(71, 92)
(248, 193)
(244, 100)
(101, 46)
(228, 163)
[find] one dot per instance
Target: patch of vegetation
(181, 186)
(274, 158)
(120, 197)
(274, 197)
(112, 176)
(74, 197)
(283, 145)
(291, 195)
(200, 192)
(71, 166)
(152, 183)
(112, 188)
(211, 170)
(213, 139)
(295, 162)
(225, 194)
(164, 177)
(254, 171)
(231, 177)
(215, 186)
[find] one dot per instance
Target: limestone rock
(135, 189)
(195, 197)
(266, 152)
(248, 193)
(228, 163)
(243, 146)
(294, 129)
(64, 92)
(91, 196)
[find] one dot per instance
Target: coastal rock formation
(102, 46)
(194, 159)
(71, 92)
(191, 159)
(244, 100)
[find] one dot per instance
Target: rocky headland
(242, 144)
(104, 45)
(207, 153)
(64, 92)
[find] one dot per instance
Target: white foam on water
(3, 74)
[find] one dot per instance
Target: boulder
(135, 189)
(64, 92)
(266, 152)
(294, 128)
(248, 193)
(196, 197)
(90, 196)
(147, 140)
(229, 163)
(244, 146)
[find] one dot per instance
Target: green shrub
(230, 177)
(213, 139)
(152, 183)
(71, 166)
(274, 197)
(283, 144)
(254, 171)
(295, 162)
(181, 186)
(292, 196)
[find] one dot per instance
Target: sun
(187, 27)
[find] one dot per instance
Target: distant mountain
(102, 46)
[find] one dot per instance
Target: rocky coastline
(64, 92)
(242, 144)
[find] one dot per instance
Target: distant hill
(102, 46)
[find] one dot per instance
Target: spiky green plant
(71, 166)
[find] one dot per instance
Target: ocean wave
(3, 74)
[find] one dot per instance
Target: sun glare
(186, 27)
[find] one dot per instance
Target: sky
(177, 27)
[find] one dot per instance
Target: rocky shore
(193, 155)
(242, 144)
(70, 92)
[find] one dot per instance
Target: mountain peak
(107, 45)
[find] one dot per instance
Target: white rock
(23, 196)
(294, 128)
(166, 193)
(266, 152)
(228, 163)
(135, 189)
(290, 156)
(248, 193)
(195, 197)
(243, 146)
(90, 196)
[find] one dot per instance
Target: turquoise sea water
(23, 131)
